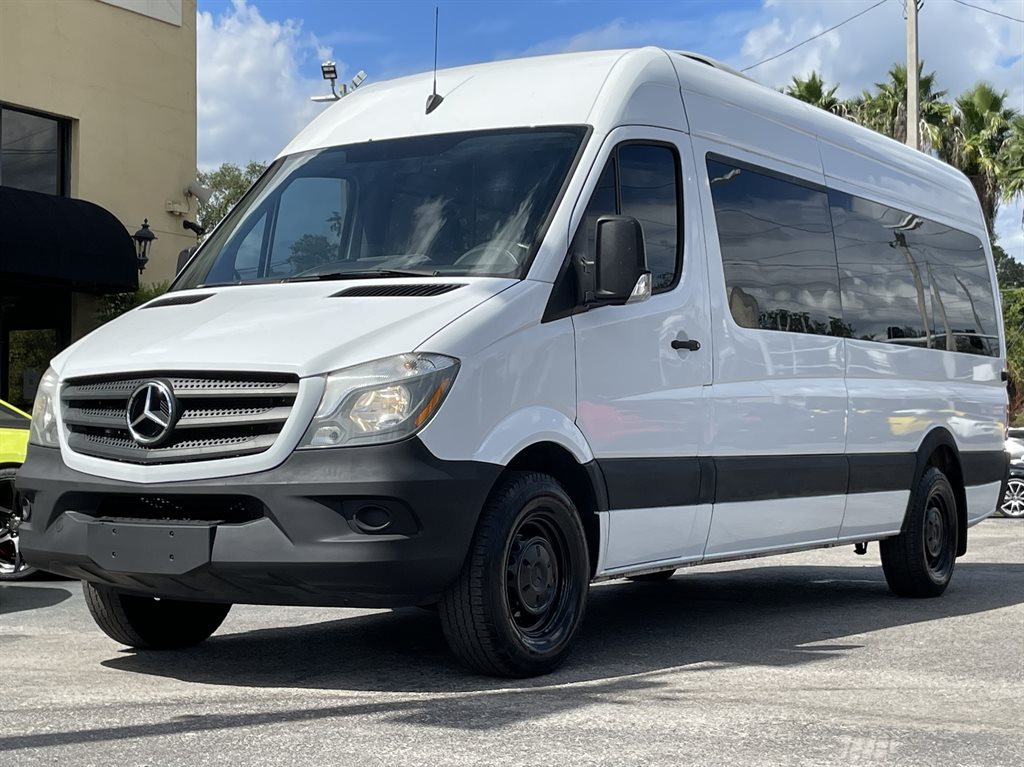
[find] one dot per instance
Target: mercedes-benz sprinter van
(588, 316)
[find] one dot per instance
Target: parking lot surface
(804, 659)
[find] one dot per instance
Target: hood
(302, 328)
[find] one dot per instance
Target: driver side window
(640, 180)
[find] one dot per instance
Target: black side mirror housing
(619, 266)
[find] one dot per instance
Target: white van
(593, 316)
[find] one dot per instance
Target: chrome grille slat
(222, 415)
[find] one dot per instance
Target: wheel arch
(584, 483)
(939, 449)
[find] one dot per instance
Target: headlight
(381, 401)
(43, 430)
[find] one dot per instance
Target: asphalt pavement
(804, 659)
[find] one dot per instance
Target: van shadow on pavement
(761, 616)
(634, 636)
(16, 598)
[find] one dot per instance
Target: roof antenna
(434, 100)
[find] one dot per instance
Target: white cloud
(255, 78)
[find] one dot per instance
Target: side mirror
(619, 273)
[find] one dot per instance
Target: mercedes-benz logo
(152, 413)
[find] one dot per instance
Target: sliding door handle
(689, 345)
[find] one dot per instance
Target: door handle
(690, 345)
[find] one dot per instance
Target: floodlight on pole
(329, 70)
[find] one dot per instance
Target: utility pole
(913, 96)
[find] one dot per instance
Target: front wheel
(1013, 501)
(516, 606)
(148, 623)
(919, 561)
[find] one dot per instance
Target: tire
(12, 566)
(1013, 501)
(659, 577)
(148, 623)
(519, 601)
(919, 561)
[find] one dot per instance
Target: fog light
(26, 509)
(372, 519)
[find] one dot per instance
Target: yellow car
(13, 443)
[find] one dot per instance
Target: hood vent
(193, 298)
(379, 291)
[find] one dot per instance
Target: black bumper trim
(305, 547)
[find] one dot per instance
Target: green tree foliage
(228, 182)
(980, 138)
(885, 109)
(1009, 271)
(1013, 323)
(117, 304)
(814, 91)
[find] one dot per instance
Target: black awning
(71, 243)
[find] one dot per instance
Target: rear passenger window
(777, 251)
(885, 285)
(963, 308)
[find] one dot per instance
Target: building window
(33, 152)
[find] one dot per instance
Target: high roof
(605, 89)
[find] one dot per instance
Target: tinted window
(648, 191)
(884, 283)
(31, 155)
(963, 309)
(777, 251)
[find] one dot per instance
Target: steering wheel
(486, 252)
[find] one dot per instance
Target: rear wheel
(519, 601)
(12, 566)
(919, 561)
(1013, 501)
(148, 623)
(658, 577)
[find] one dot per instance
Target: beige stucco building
(98, 103)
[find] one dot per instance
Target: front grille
(222, 415)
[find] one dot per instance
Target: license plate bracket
(160, 549)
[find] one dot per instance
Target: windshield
(454, 205)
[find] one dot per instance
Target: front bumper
(304, 533)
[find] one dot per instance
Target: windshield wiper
(361, 275)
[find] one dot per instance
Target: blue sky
(395, 37)
(258, 60)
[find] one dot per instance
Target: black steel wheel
(520, 598)
(12, 566)
(919, 561)
(1013, 501)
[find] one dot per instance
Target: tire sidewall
(937, 483)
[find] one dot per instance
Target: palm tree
(885, 110)
(1011, 158)
(984, 142)
(813, 91)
